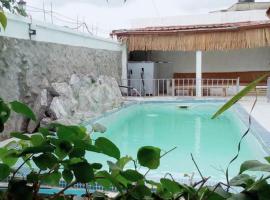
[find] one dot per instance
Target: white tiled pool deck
(261, 112)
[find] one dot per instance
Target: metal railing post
(173, 87)
(238, 85)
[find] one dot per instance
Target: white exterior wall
(18, 27)
(217, 61)
(208, 18)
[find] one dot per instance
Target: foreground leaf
(4, 114)
(37, 139)
(123, 161)
(239, 95)
(19, 135)
(83, 172)
(149, 156)
(9, 156)
(38, 149)
(23, 109)
(4, 171)
(140, 192)
(67, 176)
(170, 185)
(3, 19)
(107, 147)
(254, 165)
(45, 161)
(242, 180)
(132, 175)
(52, 179)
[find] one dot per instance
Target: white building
(227, 44)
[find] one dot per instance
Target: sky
(104, 16)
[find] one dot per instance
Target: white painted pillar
(198, 73)
(124, 65)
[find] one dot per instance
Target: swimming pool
(212, 142)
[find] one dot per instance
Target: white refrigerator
(142, 76)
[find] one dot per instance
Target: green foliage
(23, 109)
(4, 171)
(61, 155)
(149, 157)
(239, 95)
(107, 147)
(4, 114)
(3, 20)
(254, 165)
(13, 7)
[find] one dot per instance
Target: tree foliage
(12, 6)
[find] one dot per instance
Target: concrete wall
(27, 66)
(18, 27)
(218, 61)
(30, 65)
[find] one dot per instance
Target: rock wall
(27, 68)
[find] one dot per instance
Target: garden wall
(27, 67)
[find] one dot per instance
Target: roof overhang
(197, 37)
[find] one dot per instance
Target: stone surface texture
(59, 81)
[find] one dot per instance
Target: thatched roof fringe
(252, 38)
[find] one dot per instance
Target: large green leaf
(141, 192)
(3, 19)
(254, 165)
(4, 111)
(67, 175)
(4, 114)
(242, 180)
(45, 132)
(19, 135)
(149, 156)
(4, 171)
(107, 147)
(132, 175)
(170, 185)
(267, 159)
(123, 161)
(261, 188)
(52, 179)
(63, 147)
(37, 139)
(77, 152)
(105, 177)
(83, 172)
(239, 95)
(96, 166)
(9, 156)
(45, 161)
(38, 149)
(71, 133)
(23, 109)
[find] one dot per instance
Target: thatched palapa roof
(197, 37)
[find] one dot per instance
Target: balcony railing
(179, 87)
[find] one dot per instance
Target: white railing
(268, 90)
(179, 87)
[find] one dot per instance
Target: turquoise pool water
(212, 142)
